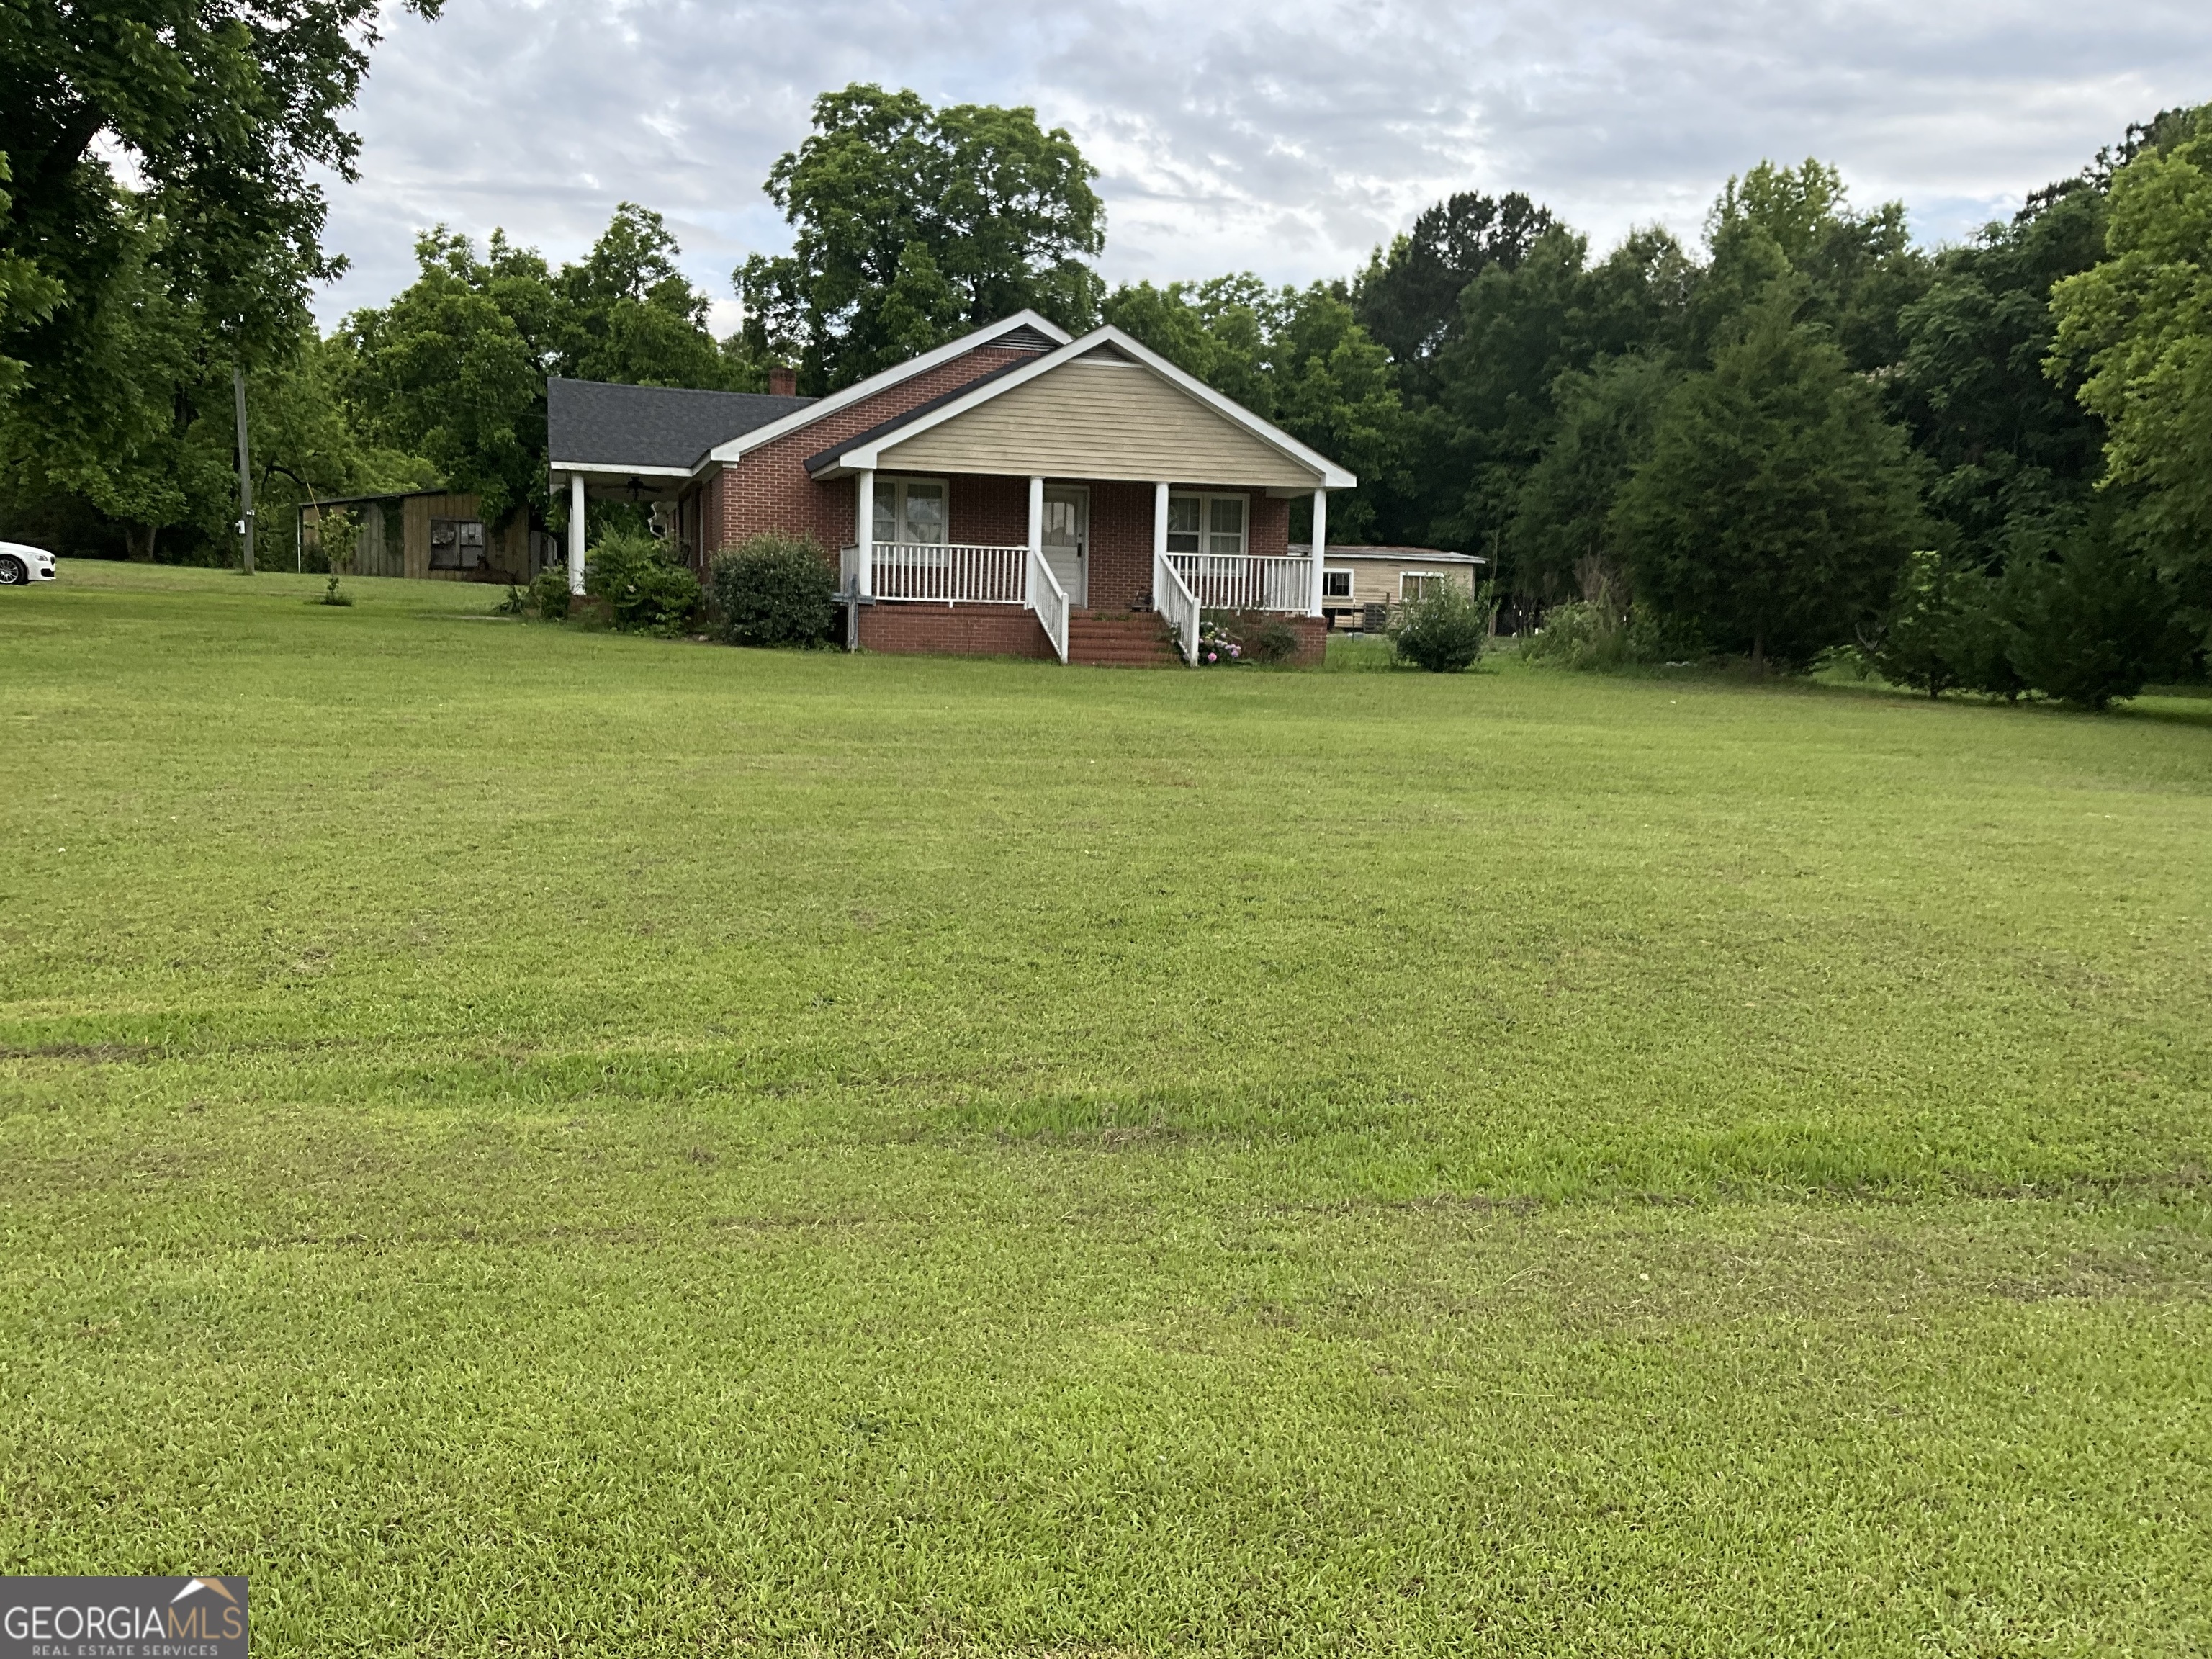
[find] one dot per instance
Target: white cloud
(1286, 138)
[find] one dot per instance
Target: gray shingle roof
(608, 428)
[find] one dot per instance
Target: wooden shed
(429, 534)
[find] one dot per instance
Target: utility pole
(245, 469)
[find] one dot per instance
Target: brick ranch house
(1015, 492)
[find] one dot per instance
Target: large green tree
(1563, 536)
(626, 313)
(454, 369)
(1858, 270)
(1407, 299)
(149, 446)
(1777, 505)
(2008, 445)
(913, 223)
(127, 299)
(227, 112)
(142, 371)
(1495, 404)
(2137, 329)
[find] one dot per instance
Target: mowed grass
(528, 1141)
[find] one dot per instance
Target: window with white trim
(1205, 524)
(1420, 584)
(910, 510)
(1335, 584)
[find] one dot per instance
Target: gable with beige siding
(1099, 419)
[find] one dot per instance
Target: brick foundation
(1006, 630)
(954, 630)
(1312, 632)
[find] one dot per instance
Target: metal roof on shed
(595, 425)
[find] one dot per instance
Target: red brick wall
(1120, 544)
(768, 488)
(1270, 534)
(994, 511)
(1312, 632)
(958, 630)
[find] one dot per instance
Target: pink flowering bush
(1216, 645)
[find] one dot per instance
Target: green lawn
(534, 1141)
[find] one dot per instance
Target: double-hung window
(910, 510)
(1335, 584)
(1206, 524)
(1420, 584)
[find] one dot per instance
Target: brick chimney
(782, 381)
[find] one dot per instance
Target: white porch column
(576, 533)
(1320, 546)
(1159, 541)
(863, 533)
(1036, 530)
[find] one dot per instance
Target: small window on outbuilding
(1336, 584)
(1420, 584)
(456, 544)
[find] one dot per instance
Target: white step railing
(941, 573)
(1178, 607)
(1242, 581)
(1049, 600)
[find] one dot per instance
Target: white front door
(1067, 539)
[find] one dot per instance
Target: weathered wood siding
(417, 511)
(1100, 420)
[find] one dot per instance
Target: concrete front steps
(1121, 639)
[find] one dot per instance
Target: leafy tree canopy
(1519, 331)
(1408, 297)
(454, 368)
(150, 443)
(2137, 327)
(225, 111)
(1777, 506)
(915, 223)
(1563, 536)
(629, 315)
(2007, 442)
(1858, 270)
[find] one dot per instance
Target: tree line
(1979, 467)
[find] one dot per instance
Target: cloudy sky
(1286, 138)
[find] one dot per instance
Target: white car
(20, 562)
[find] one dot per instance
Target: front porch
(1105, 570)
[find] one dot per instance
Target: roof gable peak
(1018, 332)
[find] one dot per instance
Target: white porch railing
(940, 572)
(951, 572)
(1177, 605)
(1049, 600)
(1246, 582)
